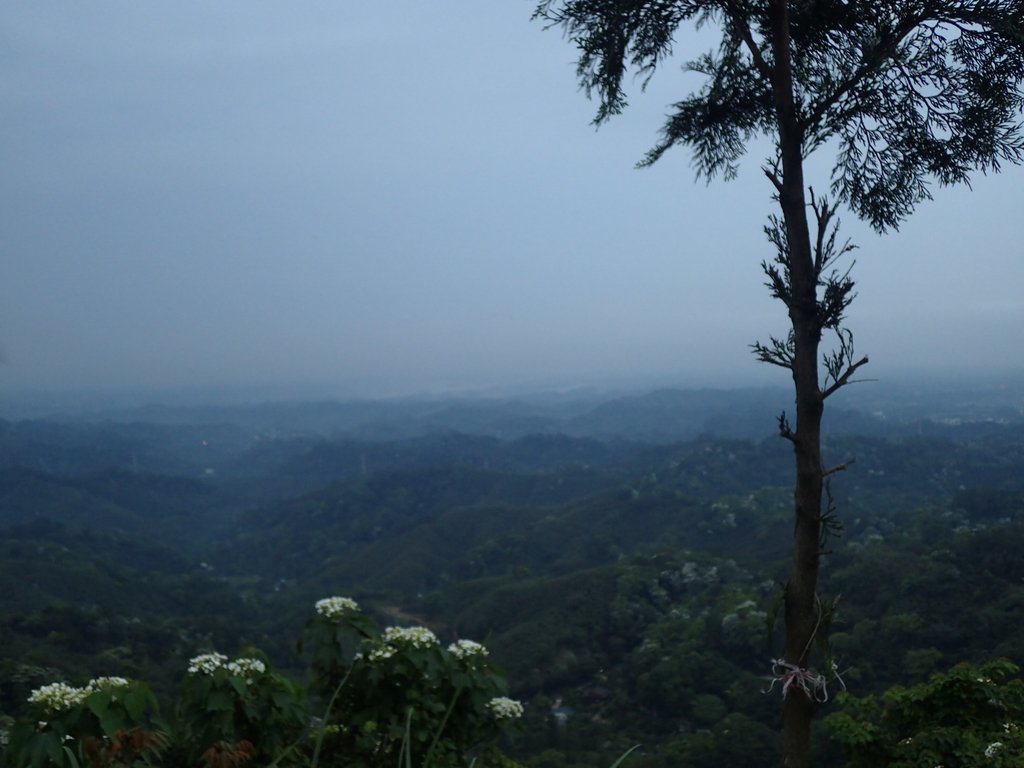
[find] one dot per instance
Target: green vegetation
(967, 718)
(399, 698)
(627, 589)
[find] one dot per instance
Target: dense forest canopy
(624, 584)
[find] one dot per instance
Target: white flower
(505, 708)
(106, 683)
(335, 607)
(247, 668)
(381, 653)
(56, 697)
(992, 748)
(206, 663)
(417, 637)
(464, 649)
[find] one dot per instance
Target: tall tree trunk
(801, 610)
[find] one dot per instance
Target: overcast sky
(399, 196)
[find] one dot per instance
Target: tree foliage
(904, 91)
(968, 717)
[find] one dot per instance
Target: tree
(904, 92)
(968, 717)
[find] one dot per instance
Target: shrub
(401, 694)
(110, 721)
(969, 717)
(396, 697)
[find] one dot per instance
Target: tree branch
(838, 468)
(780, 353)
(822, 214)
(784, 430)
(870, 64)
(844, 379)
(743, 30)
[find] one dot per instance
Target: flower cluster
(417, 637)
(106, 683)
(247, 668)
(206, 663)
(505, 708)
(380, 653)
(992, 748)
(334, 608)
(57, 697)
(466, 649)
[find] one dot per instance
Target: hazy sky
(402, 196)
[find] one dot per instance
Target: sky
(401, 197)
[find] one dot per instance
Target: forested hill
(664, 415)
(622, 569)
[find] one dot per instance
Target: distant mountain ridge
(662, 415)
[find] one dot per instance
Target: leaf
(220, 701)
(135, 705)
(53, 749)
(46, 746)
(112, 721)
(72, 760)
(624, 755)
(282, 699)
(239, 685)
(98, 704)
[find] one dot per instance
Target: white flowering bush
(392, 696)
(108, 716)
(967, 717)
(235, 710)
(333, 636)
(229, 712)
(402, 689)
(61, 697)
